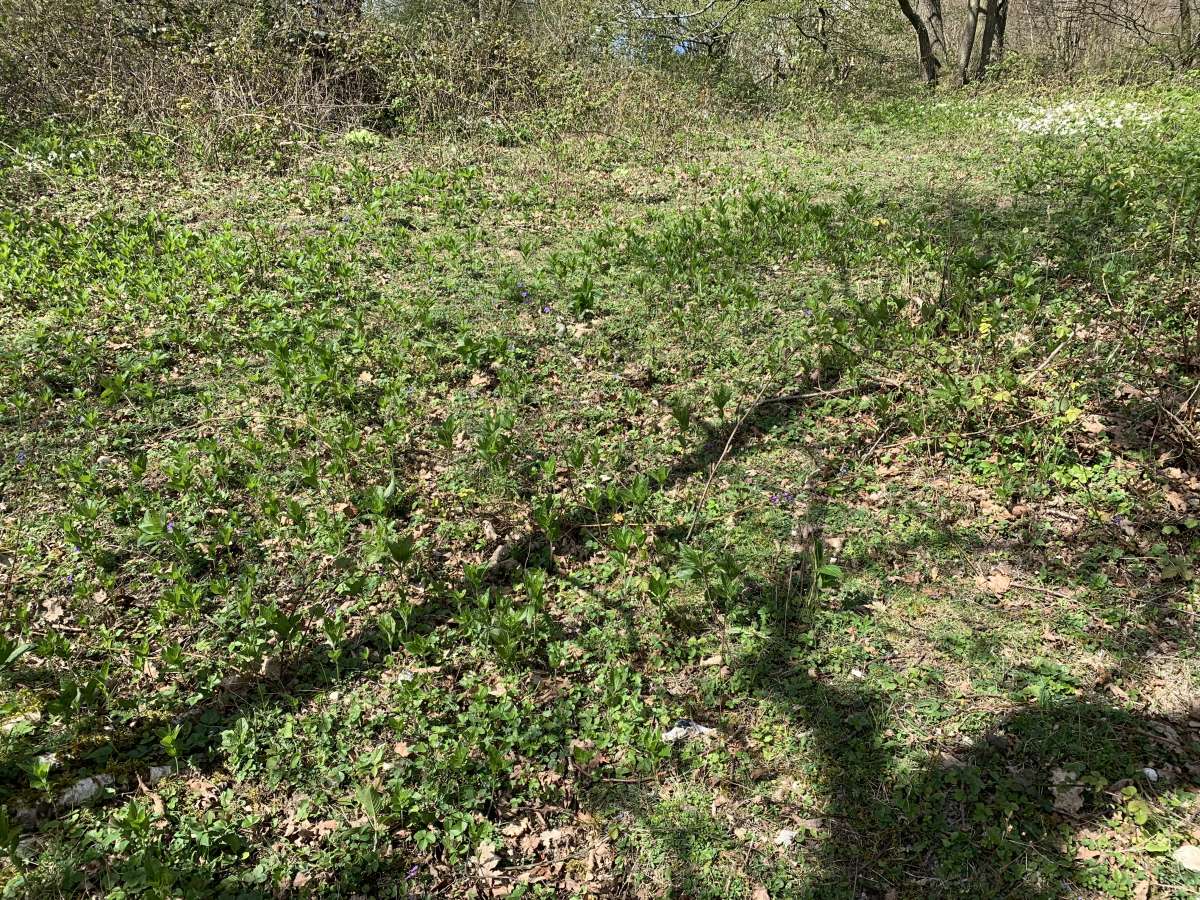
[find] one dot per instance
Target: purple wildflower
(21, 457)
(170, 527)
(412, 873)
(547, 308)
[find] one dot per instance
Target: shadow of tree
(991, 818)
(984, 818)
(975, 821)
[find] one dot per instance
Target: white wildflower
(1072, 119)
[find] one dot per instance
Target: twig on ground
(720, 459)
(1025, 586)
(760, 402)
(1029, 376)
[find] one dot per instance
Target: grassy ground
(802, 508)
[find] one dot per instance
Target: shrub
(232, 77)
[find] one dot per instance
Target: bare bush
(233, 73)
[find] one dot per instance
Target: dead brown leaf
(515, 829)
(1068, 794)
(325, 827)
(485, 860)
(997, 583)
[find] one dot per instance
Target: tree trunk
(968, 40)
(986, 39)
(993, 35)
(1187, 47)
(930, 12)
(1001, 22)
(931, 44)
